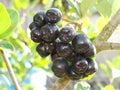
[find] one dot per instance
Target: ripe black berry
(80, 65)
(53, 15)
(72, 75)
(39, 18)
(32, 26)
(63, 49)
(42, 50)
(49, 32)
(67, 34)
(81, 43)
(35, 35)
(91, 51)
(59, 67)
(92, 67)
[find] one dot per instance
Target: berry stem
(61, 83)
(10, 70)
(101, 40)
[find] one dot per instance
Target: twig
(60, 84)
(109, 28)
(10, 70)
(99, 42)
(73, 22)
(107, 46)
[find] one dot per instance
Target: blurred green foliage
(15, 39)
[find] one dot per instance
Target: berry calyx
(80, 65)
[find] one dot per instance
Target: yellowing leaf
(89, 77)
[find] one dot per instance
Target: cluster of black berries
(70, 52)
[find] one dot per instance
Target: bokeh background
(34, 72)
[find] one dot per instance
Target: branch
(10, 70)
(109, 28)
(60, 84)
(101, 44)
(107, 46)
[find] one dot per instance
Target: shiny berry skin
(42, 50)
(67, 34)
(53, 15)
(72, 75)
(35, 35)
(59, 67)
(81, 43)
(80, 65)
(91, 51)
(49, 32)
(63, 49)
(32, 26)
(92, 67)
(39, 18)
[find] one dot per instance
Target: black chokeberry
(50, 47)
(42, 50)
(91, 51)
(63, 49)
(39, 18)
(81, 43)
(92, 67)
(36, 35)
(32, 26)
(72, 75)
(80, 65)
(49, 32)
(53, 15)
(59, 67)
(66, 34)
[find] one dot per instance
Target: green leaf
(19, 4)
(116, 62)
(104, 8)
(14, 20)
(5, 45)
(115, 6)
(82, 86)
(85, 5)
(4, 19)
(75, 6)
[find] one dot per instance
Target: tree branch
(109, 28)
(10, 70)
(107, 46)
(60, 84)
(101, 44)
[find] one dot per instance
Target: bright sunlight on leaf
(4, 19)
(14, 20)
